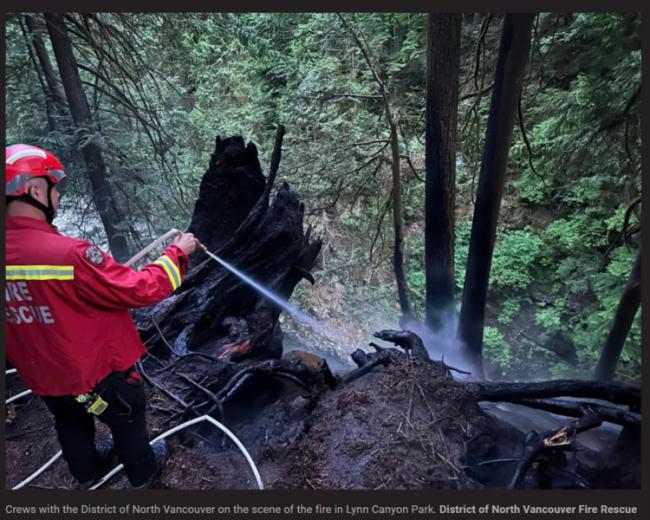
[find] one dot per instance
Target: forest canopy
(161, 87)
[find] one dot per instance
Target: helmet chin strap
(47, 210)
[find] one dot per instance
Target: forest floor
(400, 427)
(403, 426)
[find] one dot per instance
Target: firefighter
(69, 332)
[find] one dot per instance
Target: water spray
(292, 310)
(279, 301)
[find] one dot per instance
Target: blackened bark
(92, 152)
(534, 444)
(228, 191)
(511, 64)
(625, 313)
(214, 311)
(443, 62)
(576, 409)
(514, 392)
(408, 340)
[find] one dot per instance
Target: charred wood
(310, 367)
(213, 398)
(228, 191)
(498, 391)
(373, 360)
(407, 340)
(576, 409)
(215, 312)
(359, 357)
(160, 387)
(560, 439)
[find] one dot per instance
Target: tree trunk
(234, 172)
(625, 313)
(29, 44)
(56, 92)
(214, 311)
(398, 225)
(443, 52)
(511, 64)
(391, 120)
(92, 152)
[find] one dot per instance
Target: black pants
(125, 416)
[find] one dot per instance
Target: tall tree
(92, 152)
(510, 69)
(443, 64)
(625, 313)
(49, 103)
(398, 224)
(55, 89)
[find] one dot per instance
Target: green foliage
(586, 152)
(495, 349)
(515, 256)
(461, 250)
(551, 317)
(187, 77)
(509, 309)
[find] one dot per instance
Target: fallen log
(576, 409)
(499, 391)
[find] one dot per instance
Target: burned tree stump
(229, 189)
(214, 311)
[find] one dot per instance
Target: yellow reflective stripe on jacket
(39, 272)
(171, 269)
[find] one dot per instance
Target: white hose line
(184, 425)
(39, 471)
(11, 371)
(116, 469)
(18, 396)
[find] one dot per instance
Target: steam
(443, 344)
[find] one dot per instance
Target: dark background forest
(154, 90)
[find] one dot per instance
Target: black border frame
(639, 498)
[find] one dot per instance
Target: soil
(404, 426)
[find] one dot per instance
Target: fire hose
(164, 435)
(17, 396)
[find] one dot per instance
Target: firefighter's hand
(187, 243)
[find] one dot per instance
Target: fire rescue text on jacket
(21, 308)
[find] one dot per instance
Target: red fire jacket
(67, 302)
